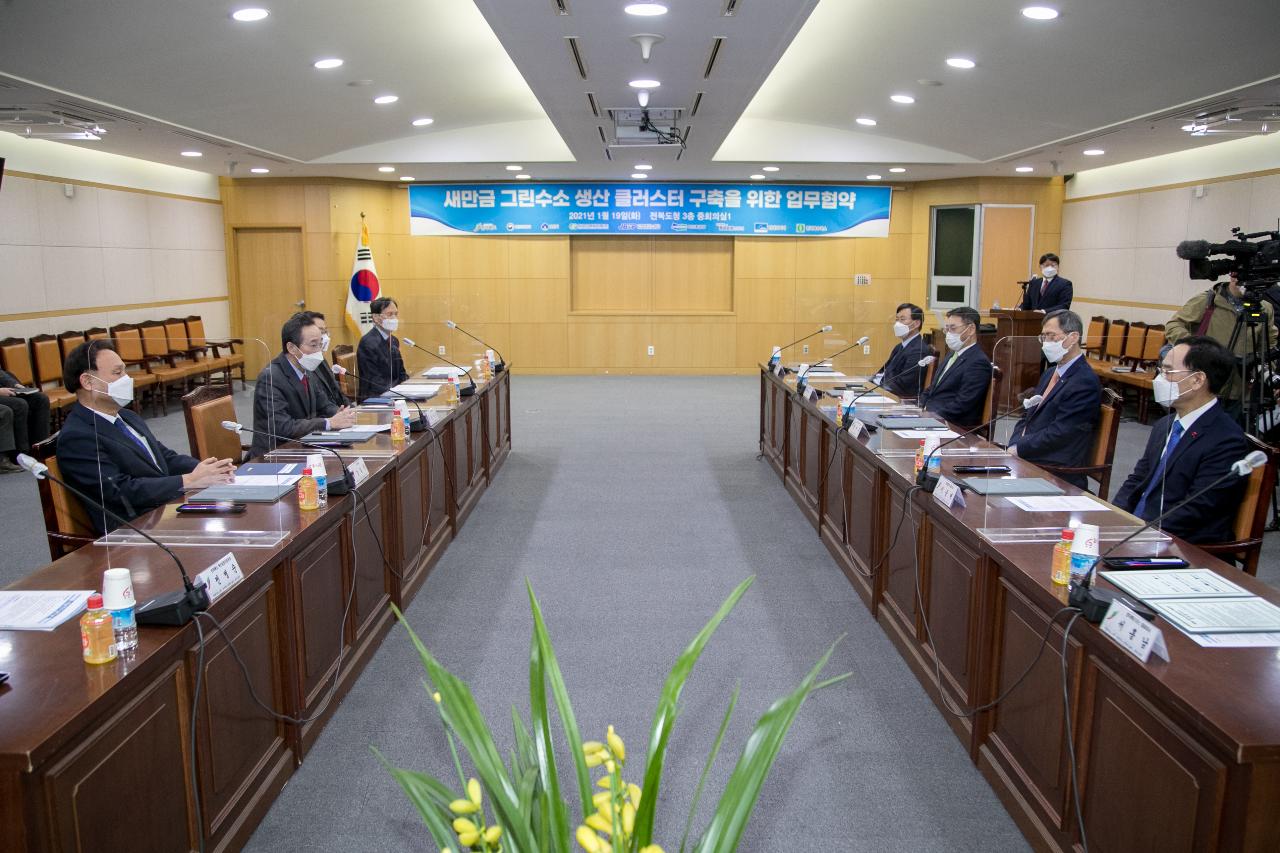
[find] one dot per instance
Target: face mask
(311, 361)
(391, 324)
(1164, 391)
(121, 390)
(954, 341)
(1053, 351)
(900, 329)
(324, 342)
(1049, 272)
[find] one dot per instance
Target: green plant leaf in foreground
(706, 768)
(430, 797)
(552, 806)
(665, 715)
(743, 788)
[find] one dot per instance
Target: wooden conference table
(1170, 756)
(98, 758)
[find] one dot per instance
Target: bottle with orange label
(97, 632)
(398, 421)
(451, 391)
(1060, 568)
(308, 491)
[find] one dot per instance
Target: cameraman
(1213, 314)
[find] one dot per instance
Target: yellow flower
(606, 782)
(436, 696)
(467, 839)
(652, 848)
(492, 834)
(591, 842)
(473, 791)
(616, 746)
(461, 825)
(628, 818)
(591, 746)
(634, 792)
(463, 807)
(600, 824)
(609, 765)
(595, 759)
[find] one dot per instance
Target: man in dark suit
(327, 382)
(287, 401)
(902, 373)
(1048, 291)
(961, 381)
(1059, 429)
(107, 451)
(378, 356)
(27, 412)
(1191, 447)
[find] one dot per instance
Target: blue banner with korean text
(774, 210)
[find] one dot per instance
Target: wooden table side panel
(371, 572)
(318, 574)
(951, 604)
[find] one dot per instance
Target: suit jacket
(1204, 453)
(8, 380)
(131, 483)
(1059, 431)
(327, 383)
(380, 365)
(958, 394)
(282, 406)
(899, 375)
(1058, 295)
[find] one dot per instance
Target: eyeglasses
(1166, 372)
(1046, 338)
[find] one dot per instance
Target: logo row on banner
(776, 210)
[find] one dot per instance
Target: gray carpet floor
(634, 505)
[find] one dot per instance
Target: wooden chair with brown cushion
(1251, 515)
(181, 354)
(47, 362)
(1152, 345)
(1096, 336)
(344, 355)
(67, 341)
(155, 349)
(226, 349)
(1117, 335)
(128, 343)
(15, 358)
(97, 333)
(1103, 451)
(205, 409)
(989, 405)
(203, 352)
(1134, 344)
(66, 523)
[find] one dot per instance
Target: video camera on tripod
(1254, 258)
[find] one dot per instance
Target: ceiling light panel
(326, 64)
(249, 15)
(902, 99)
(1040, 13)
(960, 62)
(383, 100)
(645, 10)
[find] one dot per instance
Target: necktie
(947, 366)
(142, 445)
(306, 386)
(1174, 436)
(1044, 285)
(1053, 383)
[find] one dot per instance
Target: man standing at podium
(1048, 291)
(1059, 429)
(902, 374)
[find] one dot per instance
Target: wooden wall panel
(765, 300)
(608, 345)
(539, 345)
(538, 257)
(539, 300)
(692, 275)
(764, 257)
(825, 257)
(825, 300)
(611, 274)
(477, 257)
(479, 300)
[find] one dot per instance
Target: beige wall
(106, 255)
(518, 292)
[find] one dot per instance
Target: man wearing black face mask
(287, 399)
(1192, 446)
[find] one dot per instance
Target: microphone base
(469, 391)
(339, 486)
(174, 609)
(499, 367)
(926, 481)
(1094, 603)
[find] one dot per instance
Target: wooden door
(270, 287)
(1006, 254)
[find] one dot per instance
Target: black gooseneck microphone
(926, 480)
(1095, 602)
(859, 342)
(172, 608)
(336, 488)
(924, 362)
(781, 350)
(462, 392)
(422, 423)
(500, 365)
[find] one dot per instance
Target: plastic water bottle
(117, 598)
(399, 421)
(308, 492)
(97, 633)
(1084, 550)
(316, 463)
(933, 457)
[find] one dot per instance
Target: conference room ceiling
(530, 82)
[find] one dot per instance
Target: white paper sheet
(267, 480)
(1220, 615)
(1176, 583)
(360, 429)
(417, 392)
(1057, 503)
(875, 400)
(442, 372)
(940, 434)
(1237, 641)
(40, 610)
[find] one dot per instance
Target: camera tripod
(1258, 414)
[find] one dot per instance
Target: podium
(1019, 358)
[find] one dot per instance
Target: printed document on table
(417, 392)
(1219, 615)
(1176, 583)
(1238, 641)
(40, 610)
(266, 479)
(940, 434)
(361, 429)
(443, 372)
(1057, 503)
(875, 400)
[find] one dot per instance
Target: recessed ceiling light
(873, 177)
(897, 170)
(514, 168)
(386, 99)
(902, 99)
(1093, 152)
(1188, 127)
(638, 176)
(865, 121)
(259, 170)
(192, 153)
(768, 168)
(386, 168)
(1024, 168)
(1040, 13)
(757, 177)
(326, 64)
(645, 84)
(645, 10)
(523, 177)
(423, 122)
(406, 177)
(248, 16)
(643, 167)
(960, 62)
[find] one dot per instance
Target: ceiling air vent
(603, 138)
(697, 102)
(576, 55)
(595, 108)
(561, 7)
(730, 8)
(711, 60)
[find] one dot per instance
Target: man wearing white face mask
(1049, 291)
(287, 399)
(1059, 429)
(106, 450)
(378, 356)
(901, 373)
(1190, 448)
(960, 382)
(326, 382)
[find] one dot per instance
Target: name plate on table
(802, 370)
(857, 429)
(220, 577)
(1134, 634)
(359, 470)
(948, 493)
(810, 393)
(778, 369)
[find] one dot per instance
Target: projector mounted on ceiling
(49, 124)
(646, 127)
